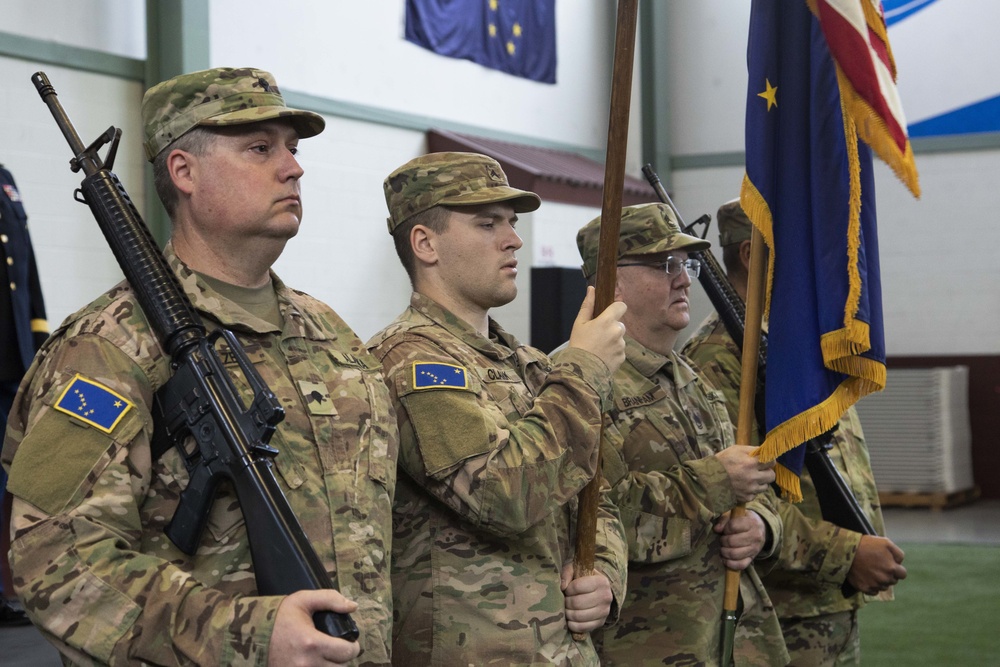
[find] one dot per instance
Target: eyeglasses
(673, 266)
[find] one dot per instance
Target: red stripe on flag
(880, 49)
(850, 51)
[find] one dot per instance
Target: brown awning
(554, 175)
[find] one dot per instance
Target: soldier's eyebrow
(496, 212)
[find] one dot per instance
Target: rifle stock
(837, 502)
(200, 400)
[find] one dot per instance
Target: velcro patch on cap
(93, 403)
(435, 375)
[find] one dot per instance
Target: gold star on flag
(511, 48)
(517, 30)
(493, 5)
(493, 30)
(770, 94)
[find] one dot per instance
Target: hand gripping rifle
(837, 502)
(200, 400)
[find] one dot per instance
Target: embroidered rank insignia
(93, 403)
(317, 398)
(699, 423)
(12, 193)
(427, 375)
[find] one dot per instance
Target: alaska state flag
(809, 189)
(514, 36)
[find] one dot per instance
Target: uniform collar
(209, 303)
(500, 344)
(649, 363)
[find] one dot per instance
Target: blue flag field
(514, 36)
(809, 189)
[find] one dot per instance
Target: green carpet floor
(946, 612)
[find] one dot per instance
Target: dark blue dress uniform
(23, 329)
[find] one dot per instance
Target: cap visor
(677, 242)
(307, 123)
(522, 200)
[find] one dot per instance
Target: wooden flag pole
(756, 282)
(607, 256)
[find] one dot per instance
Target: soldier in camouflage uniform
(820, 624)
(91, 562)
(496, 438)
(675, 472)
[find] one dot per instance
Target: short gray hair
(195, 141)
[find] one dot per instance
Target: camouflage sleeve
(666, 513)
(83, 563)
(815, 547)
(504, 467)
(766, 505)
(850, 456)
(808, 545)
(611, 554)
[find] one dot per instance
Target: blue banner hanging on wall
(514, 36)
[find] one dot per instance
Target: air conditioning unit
(918, 431)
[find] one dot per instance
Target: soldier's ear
(422, 242)
(745, 255)
(619, 293)
(182, 167)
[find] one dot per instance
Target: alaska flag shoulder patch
(93, 403)
(434, 375)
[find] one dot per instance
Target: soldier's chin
(286, 228)
(505, 297)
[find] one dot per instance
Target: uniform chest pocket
(657, 442)
(380, 436)
(655, 523)
(720, 413)
(506, 391)
(351, 414)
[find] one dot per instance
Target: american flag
(856, 35)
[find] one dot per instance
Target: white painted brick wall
(75, 263)
(941, 285)
(940, 275)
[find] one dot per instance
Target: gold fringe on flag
(854, 213)
(759, 213)
(841, 348)
(852, 339)
(816, 420)
(876, 23)
(873, 131)
(789, 483)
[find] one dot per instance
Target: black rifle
(837, 502)
(200, 399)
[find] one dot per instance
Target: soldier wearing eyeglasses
(675, 472)
(819, 622)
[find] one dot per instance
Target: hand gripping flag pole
(744, 421)
(607, 255)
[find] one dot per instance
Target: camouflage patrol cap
(645, 229)
(734, 225)
(220, 96)
(451, 179)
